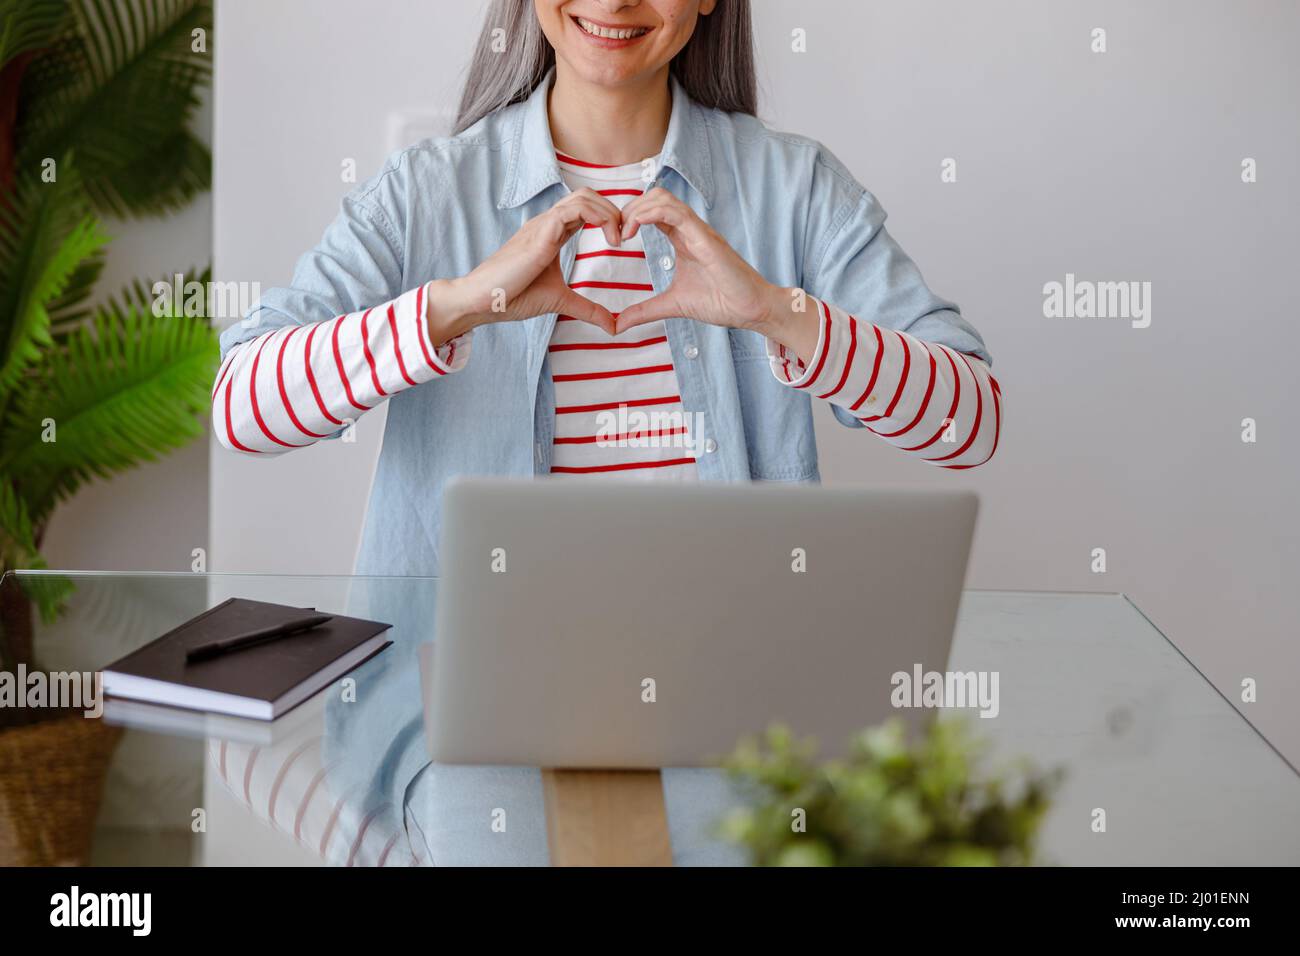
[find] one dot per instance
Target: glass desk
(1086, 683)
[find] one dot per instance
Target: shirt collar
(533, 167)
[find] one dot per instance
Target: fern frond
(119, 390)
(49, 592)
(47, 237)
(17, 536)
(123, 89)
(72, 306)
(27, 25)
(18, 550)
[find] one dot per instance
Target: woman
(612, 269)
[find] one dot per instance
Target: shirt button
(692, 352)
(710, 446)
(667, 263)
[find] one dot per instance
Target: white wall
(1118, 166)
(152, 517)
(301, 88)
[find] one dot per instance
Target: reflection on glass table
(1086, 683)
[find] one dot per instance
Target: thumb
(583, 309)
(648, 310)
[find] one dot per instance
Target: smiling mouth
(609, 33)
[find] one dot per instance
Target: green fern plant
(96, 97)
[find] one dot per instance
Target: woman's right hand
(523, 278)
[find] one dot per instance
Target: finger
(576, 213)
(646, 311)
(591, 195)
(656, 198)
(666, 216)
(605, 214)
(584, 310)
(653, 198)
(613, 226)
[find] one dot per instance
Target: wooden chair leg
(606, 818)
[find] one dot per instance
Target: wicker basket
(52, 777)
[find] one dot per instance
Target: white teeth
(610, 33)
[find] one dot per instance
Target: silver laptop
(621, 624)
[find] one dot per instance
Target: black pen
(260, 636)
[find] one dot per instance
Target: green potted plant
(889, 802)
(96, 100)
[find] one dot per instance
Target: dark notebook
(263, 681)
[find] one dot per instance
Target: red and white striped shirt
(301, 383)
(618, 407)
(931, 401)
(289, 787)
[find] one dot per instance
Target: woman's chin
(603, 69)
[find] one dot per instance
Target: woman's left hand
(711, 282)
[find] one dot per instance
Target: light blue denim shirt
(439, 208)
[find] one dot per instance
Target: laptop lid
(635, 624)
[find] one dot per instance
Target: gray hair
(716, 67)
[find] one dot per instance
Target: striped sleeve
(288, 787)
(931, 401)
(292, 386)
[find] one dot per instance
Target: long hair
(716, 67)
